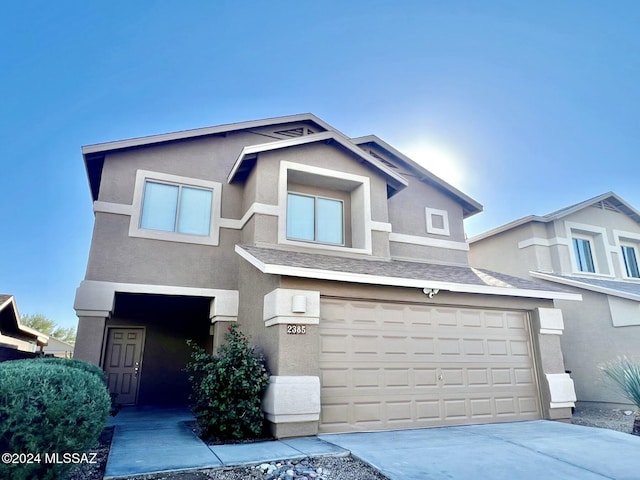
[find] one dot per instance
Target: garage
(388, 365)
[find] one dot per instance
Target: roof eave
(396, 180)
(585, 286)
(276, 269)
(470, 206)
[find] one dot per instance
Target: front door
(122, 363)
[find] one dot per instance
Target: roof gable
(470, 206)
(10, 322)
(246, 159)
(94, 154)
(607, 201)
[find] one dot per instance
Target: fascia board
(285, 270)
(586, 286)
(198, 132)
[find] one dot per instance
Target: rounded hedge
(47, 408)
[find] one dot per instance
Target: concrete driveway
(510, 451)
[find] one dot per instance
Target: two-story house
(591, 248)
(344, 260)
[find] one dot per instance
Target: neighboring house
(14, 335)
(58, 348)
(591, 248)
(344, 260)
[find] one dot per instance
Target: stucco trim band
(551, 322)
(279, 306)
(561, 389)
(290, 399)
(428, 242)
(96, 299)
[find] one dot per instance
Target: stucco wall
(501, 253)
(590, 340)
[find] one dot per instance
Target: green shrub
(625, 374)
(227, 388)
(75, 363)
(48, 408)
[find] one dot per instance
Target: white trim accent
(138, 193)
(627, 239)
(110, 207)
(274, 269)
(561, 390)
(551, 322)
(291, 399)
(428, 242)
(360, 209)
(430, 213)
(543, 242)
(582, 230)
(255, 208)
(313, 138)
(380, 226)
(586, 286)
(95, 298)
(278, 307)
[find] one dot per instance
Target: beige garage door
(389, 366)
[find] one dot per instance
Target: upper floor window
(630, 258)
(315, 219)
(176, 208)
(583, 252)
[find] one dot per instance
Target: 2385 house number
(296, 329)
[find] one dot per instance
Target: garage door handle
(440, 377)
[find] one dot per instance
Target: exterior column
(292, 401)
(90, 338)
(558, 392)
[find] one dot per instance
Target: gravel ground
(613, 419)
(334, 468)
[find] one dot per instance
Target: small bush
(625, 374)
(75, 363)
(227, 388)
(48, 408)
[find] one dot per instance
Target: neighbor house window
(584, 257)
(630, 261)
(315, 219)
(176, 208)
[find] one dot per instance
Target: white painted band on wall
(290, 399)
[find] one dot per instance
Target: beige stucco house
(13, 334)
(590, 248)
(343, 259)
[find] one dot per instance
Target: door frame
(144, 342)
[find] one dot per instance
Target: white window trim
(627, 239)
(360, 206)
(430, 212)
(316, 197)
(581, 230)
(138, 194)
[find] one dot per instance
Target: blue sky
(525, 106)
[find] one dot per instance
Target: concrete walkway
(523, 450)
(156, 439)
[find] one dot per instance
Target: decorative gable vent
(295, 132)
(606, 205)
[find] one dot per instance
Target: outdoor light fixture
(430, 292)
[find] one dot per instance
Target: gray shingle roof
(455, 274)
(621, 287)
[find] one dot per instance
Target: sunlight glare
(439, 160)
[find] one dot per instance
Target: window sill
(325, 246)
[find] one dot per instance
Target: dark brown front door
(122, 363)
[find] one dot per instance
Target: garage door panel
(387, 366)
